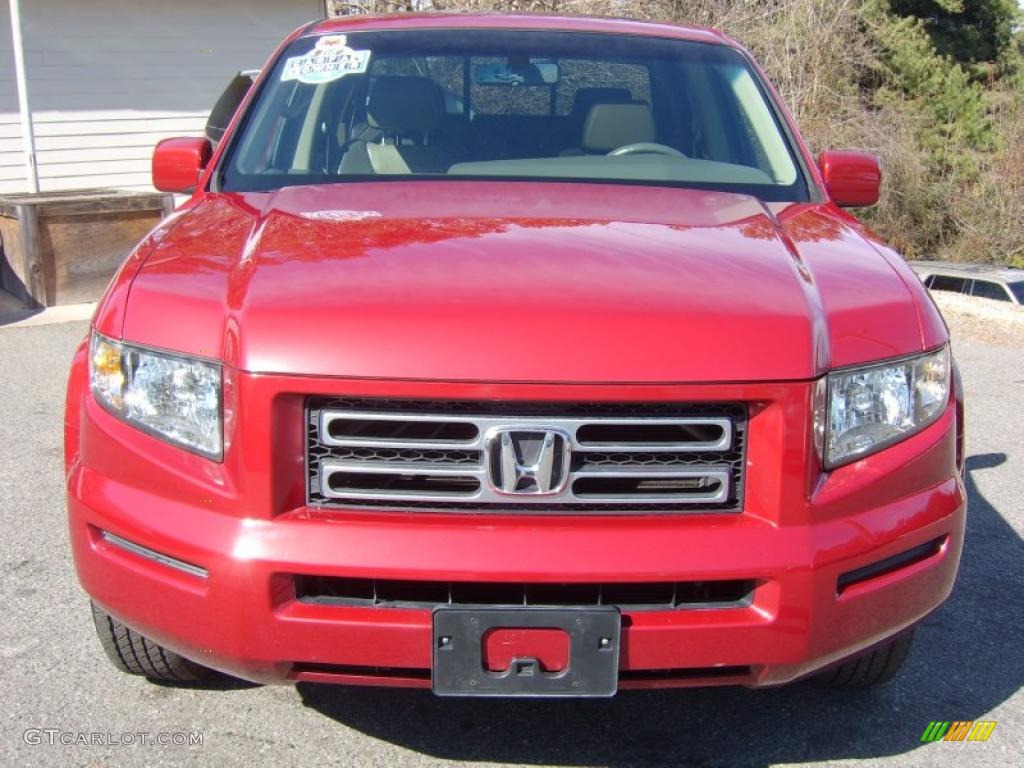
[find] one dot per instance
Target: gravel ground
(993, 322)
(967, 663)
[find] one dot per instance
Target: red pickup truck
(514, 356)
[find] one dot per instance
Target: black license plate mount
(459, 634)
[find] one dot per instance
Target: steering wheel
(645, 148)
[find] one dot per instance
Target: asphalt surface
(967, 663)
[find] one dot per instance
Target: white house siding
(108, 79)
(11, 162)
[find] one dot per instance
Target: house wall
(108, 79)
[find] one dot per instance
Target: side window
(708, 123)
(761, 144)
(947, 283)
(272, 147)
(989, 290)
(604, 80)
(227, 105)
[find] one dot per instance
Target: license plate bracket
(458, 655)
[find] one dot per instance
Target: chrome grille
(445, 455)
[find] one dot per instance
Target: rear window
(989, 290)
(513, 104)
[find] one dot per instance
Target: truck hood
(480, 281)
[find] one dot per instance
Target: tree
(968, 31)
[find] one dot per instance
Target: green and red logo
(958, 730)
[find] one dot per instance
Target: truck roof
(521, 21)
(961, 269)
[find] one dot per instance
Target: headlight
(873, 407)
(175, 398)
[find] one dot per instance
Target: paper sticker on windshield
(331, 59)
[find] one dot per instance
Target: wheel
(645, 148)
(137, 655)
(873, 668)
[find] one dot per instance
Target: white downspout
(28, 137)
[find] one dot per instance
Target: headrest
(586, 98)
(610, 126)
(405, 103)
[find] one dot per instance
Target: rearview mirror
(852, 179)
(518, 71)
(177, 163)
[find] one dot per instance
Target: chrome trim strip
(718, 479)
(721, 444)
(485, 424)
(400, 468)
(328, 416)
(639, 470)
(151, 554)
(370, 495)
(330, 468)
(720, 476)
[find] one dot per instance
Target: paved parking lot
(967, 664)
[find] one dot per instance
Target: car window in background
(989, 290)
(507, 104)
(947, 283)
(1018, 290)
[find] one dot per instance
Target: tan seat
(586, 98)
(406, 110)
(610, 126)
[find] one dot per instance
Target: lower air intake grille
(526, 457)
(386, 593)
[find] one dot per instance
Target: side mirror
(852, 179)
(177, 163)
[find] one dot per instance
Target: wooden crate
(63, 247)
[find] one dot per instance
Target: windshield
(1018, 290)
(512, 104)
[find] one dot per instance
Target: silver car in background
(981, 280)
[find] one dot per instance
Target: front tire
(873, 668)
(138, 655)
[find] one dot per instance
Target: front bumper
(799, 533)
